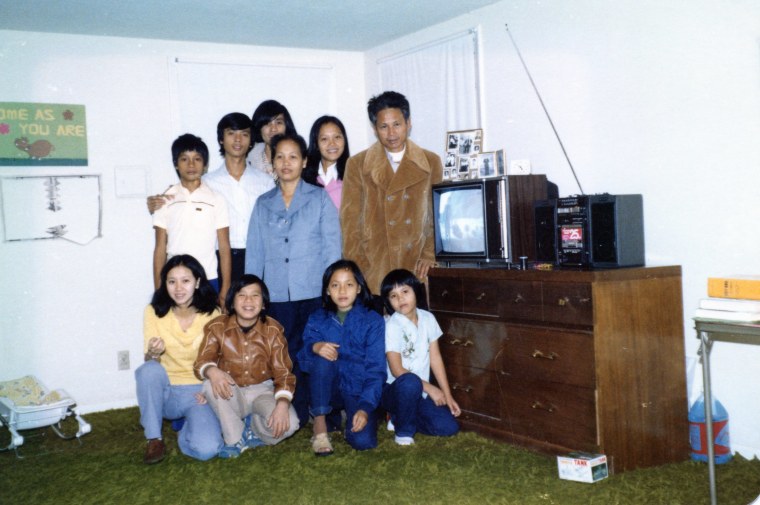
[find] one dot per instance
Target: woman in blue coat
(294, 234)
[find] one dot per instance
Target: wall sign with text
(42, 134)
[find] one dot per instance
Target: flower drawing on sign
(67, 115)
(408, 350)
(5, 129)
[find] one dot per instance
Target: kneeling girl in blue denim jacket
(344, 353)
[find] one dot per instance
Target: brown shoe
(154, 452)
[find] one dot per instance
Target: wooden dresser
(568, 360)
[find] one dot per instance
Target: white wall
(65, 309)
(650, 97)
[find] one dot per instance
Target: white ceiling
(354, 25)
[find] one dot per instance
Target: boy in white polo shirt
(195, 220)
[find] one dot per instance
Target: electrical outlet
(122, 360)
(519, 167)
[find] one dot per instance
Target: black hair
(204, 298)
(267, 111)
(387, 100)
(239, 284)
(402, 277)
(186, 143)
(288, 136)
(313, 158)
(234, 121)
(364, 296)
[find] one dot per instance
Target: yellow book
(745, 287)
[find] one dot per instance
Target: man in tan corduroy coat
(386, 213)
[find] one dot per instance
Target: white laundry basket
(27, 404)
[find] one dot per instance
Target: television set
(471, 222)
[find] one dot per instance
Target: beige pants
(257, 400)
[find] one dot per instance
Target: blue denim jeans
(326, 396)
(293, 317)
(201, 435)
(411, 413)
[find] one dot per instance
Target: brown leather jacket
(251, 358)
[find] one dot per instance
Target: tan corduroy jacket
(386, 218)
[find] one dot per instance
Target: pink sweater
(334, 189)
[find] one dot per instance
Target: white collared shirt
(191, 221)
(240, 197)
(330, 175)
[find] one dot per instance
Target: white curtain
(441, 82)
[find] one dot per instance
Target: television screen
(460, 220)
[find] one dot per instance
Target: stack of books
(735, 298)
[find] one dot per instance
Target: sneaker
(404, 440)
(390, 426)
(233, 451)
(154, 452)
(251, 440)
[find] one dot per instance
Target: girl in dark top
(344, 353)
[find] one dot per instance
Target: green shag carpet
(107, 468)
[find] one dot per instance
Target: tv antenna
(556, 134)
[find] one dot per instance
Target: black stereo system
(599, 231)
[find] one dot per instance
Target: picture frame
(489, 164)
(461, 145)
(463, 166)
(464, 142)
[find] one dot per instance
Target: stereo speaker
(545, 221)
(610, 229)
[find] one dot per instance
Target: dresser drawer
(547, 411)
(549, 355)
(568, 303)
(470, 343)
(516, 300)
(445, 293)
(475, 390)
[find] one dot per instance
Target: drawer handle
(540, 354)
(584, 300)
(455, 341)
(538, 405)
(519, 299)
(563, 301)
(459, 387)
(468, 343)
(480, 296)
(444, 293)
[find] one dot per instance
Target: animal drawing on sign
(36, 150)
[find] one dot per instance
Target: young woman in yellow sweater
(166, 385)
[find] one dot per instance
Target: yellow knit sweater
(181, 346)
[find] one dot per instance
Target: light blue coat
(290, 248)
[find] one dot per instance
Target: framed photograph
(489, 164)
(464, 142)
(463, 166)
(460, 147)
(451, 161)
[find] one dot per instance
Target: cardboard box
(582, 467)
